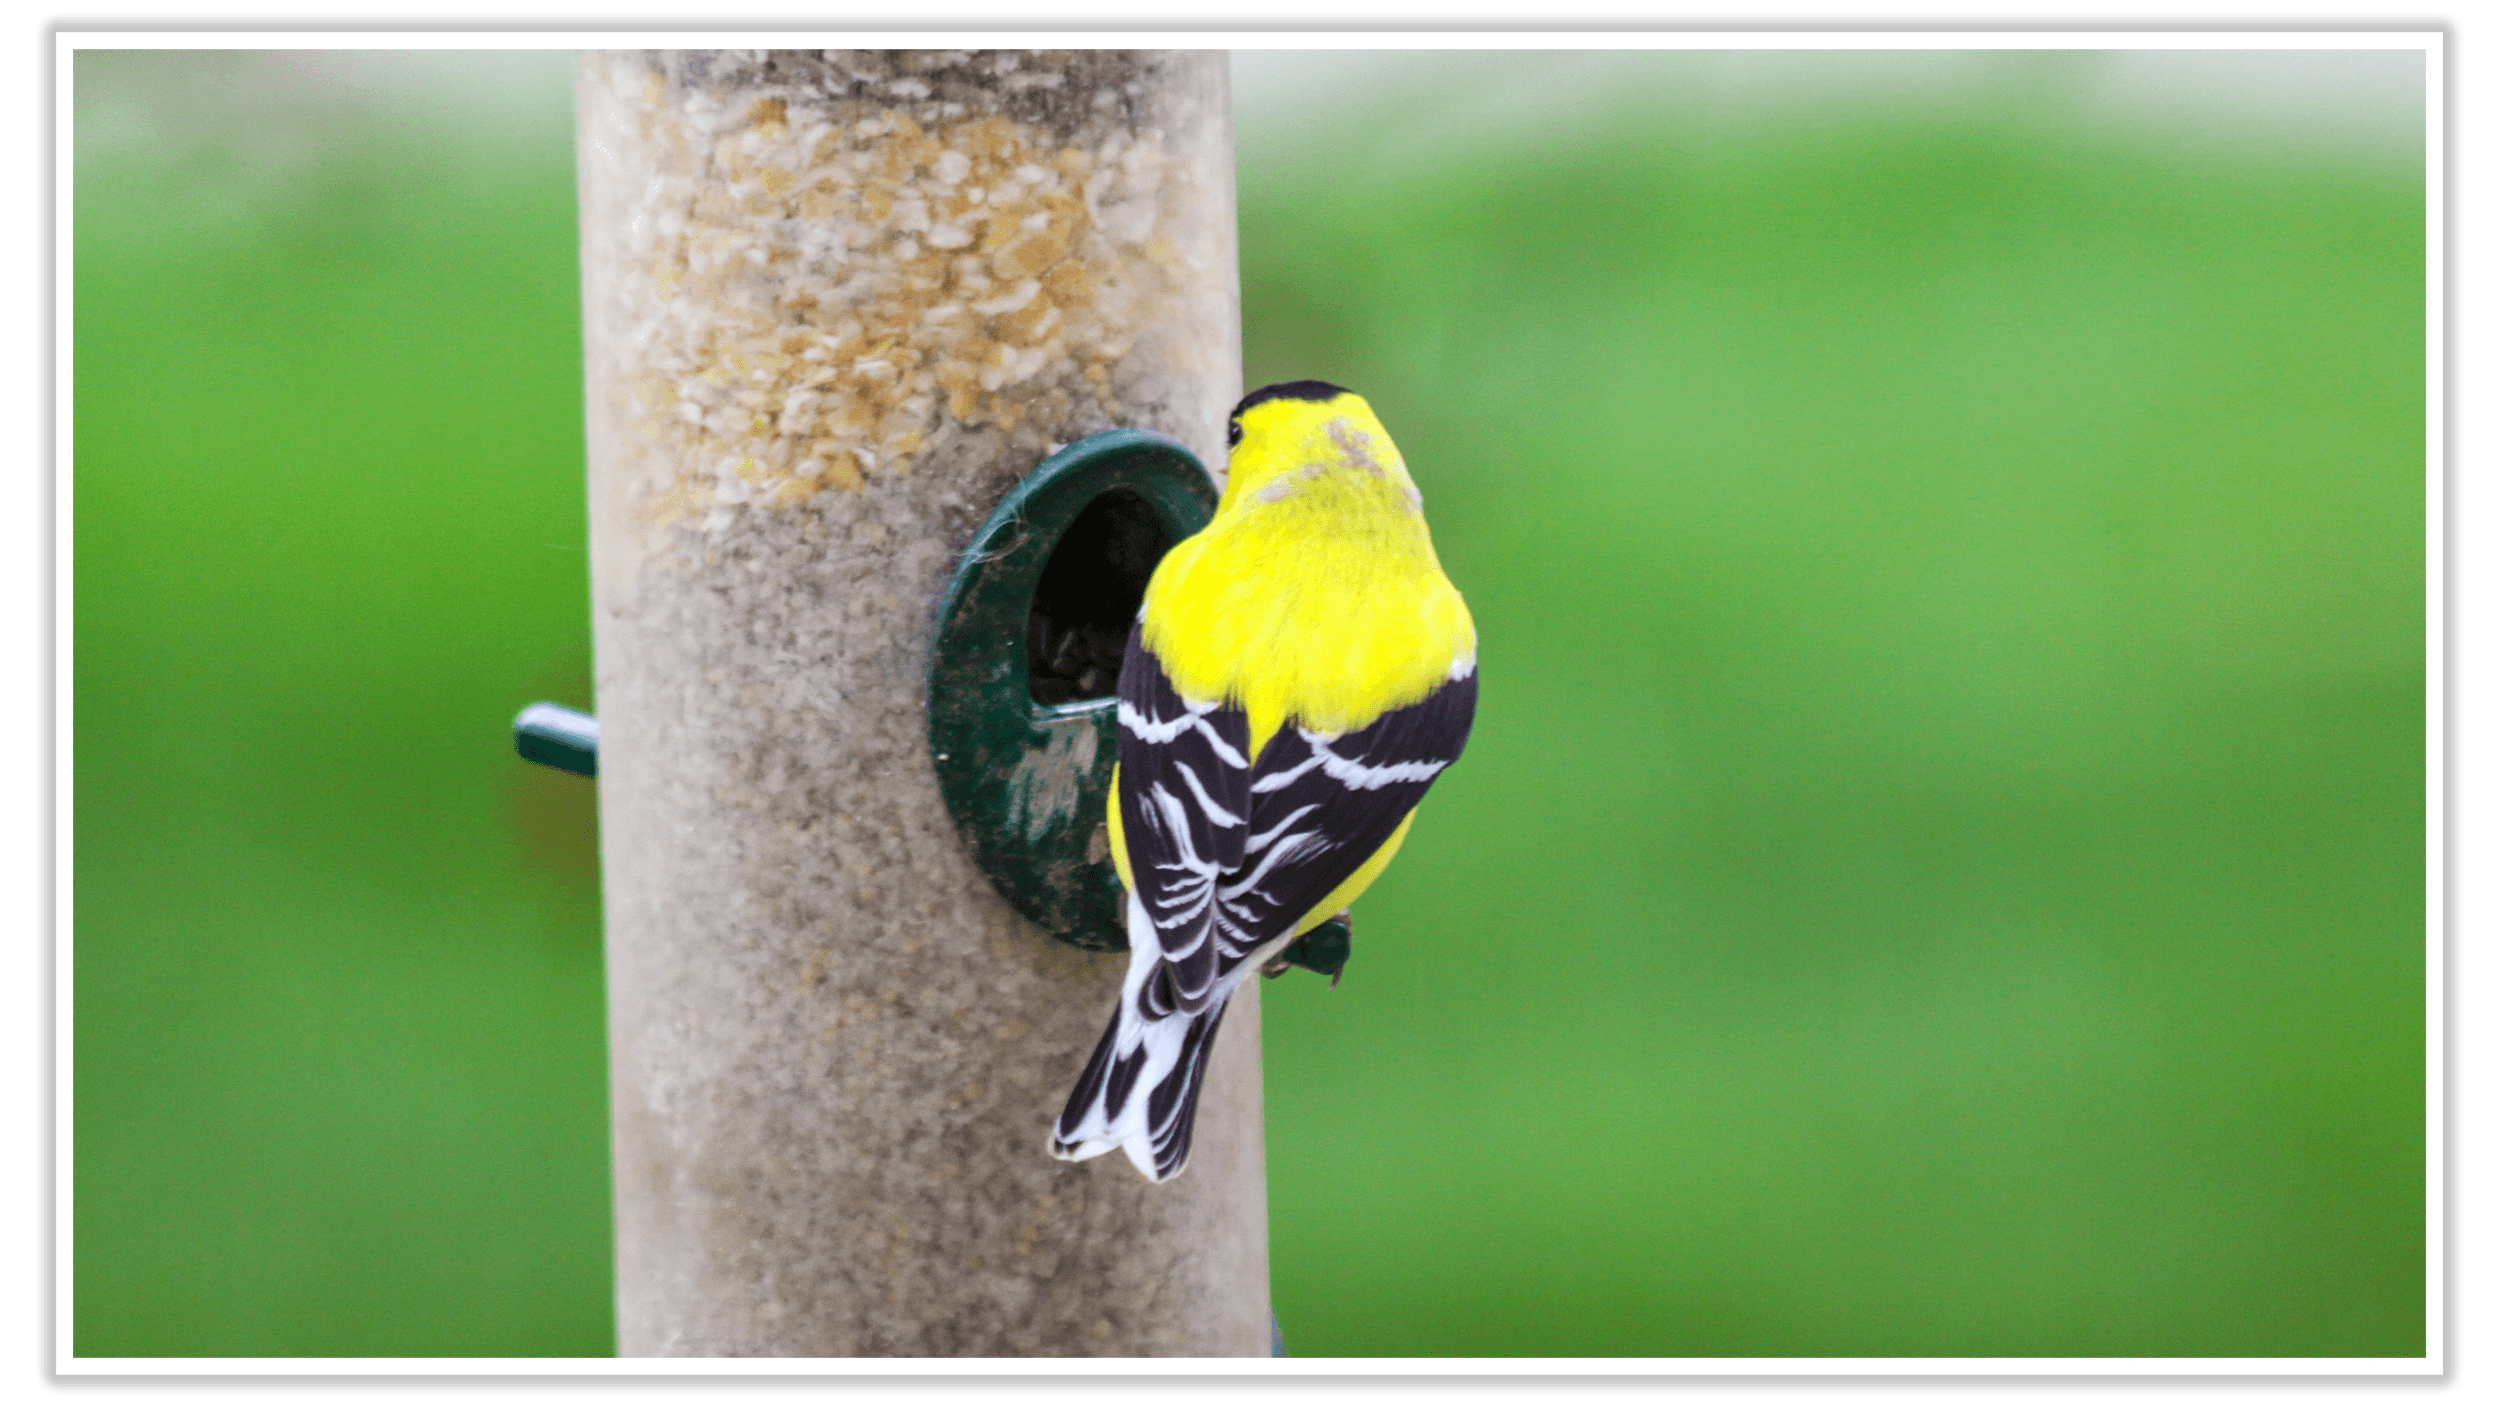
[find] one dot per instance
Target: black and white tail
(1139, 1092)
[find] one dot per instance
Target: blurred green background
(1940, 866)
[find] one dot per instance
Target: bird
(1300, 672)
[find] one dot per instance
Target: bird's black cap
(1289, 390)
(1317, 392)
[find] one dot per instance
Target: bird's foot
(1324, 949)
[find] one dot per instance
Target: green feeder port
(1023, 725)
(1022, 718)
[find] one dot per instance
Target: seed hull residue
(850, 259)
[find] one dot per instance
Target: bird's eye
(1232, 432)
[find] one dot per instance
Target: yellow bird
(1299, 674)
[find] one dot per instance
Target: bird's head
(1297, 437)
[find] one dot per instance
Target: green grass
(338, 1029)
(1939, 869)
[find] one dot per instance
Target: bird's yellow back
(1314, 594)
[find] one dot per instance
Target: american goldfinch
(1299, 674)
